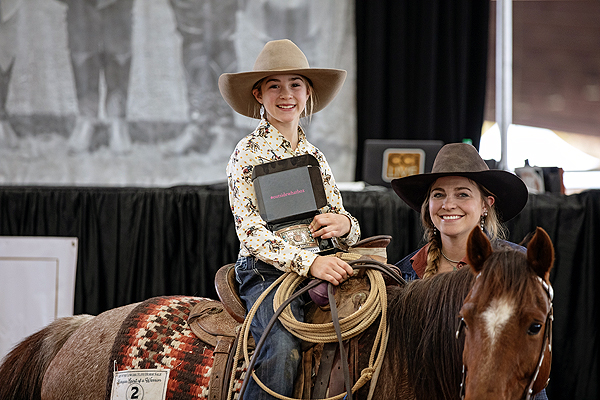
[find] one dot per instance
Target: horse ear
(479, 249)
(540, 254)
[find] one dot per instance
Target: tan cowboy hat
(462, 159)
(279, 57)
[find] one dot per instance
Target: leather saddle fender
(212, 324)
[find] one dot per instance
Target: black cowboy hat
(462, 159)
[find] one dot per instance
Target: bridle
(546, 343)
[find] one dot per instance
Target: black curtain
(421, 70)
(134, 243)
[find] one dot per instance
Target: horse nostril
(534, 328)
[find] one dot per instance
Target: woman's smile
(455, 205)
(450, 217)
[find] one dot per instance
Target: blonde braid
(431, 236)
(434, 254)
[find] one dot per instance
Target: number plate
(140, 384)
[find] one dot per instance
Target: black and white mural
(124, 92)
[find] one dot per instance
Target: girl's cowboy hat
(462, 159)
(279, 57)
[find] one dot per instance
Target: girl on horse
(280, 90)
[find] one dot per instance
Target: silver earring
(482, 220)
(262, 111)
(435, 231)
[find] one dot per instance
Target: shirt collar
(269, 132)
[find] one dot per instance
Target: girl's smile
(284, 98)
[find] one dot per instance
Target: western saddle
(217, 323)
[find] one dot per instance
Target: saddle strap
(337, 384)
(324, 372)
(219, 373)
(342, 348)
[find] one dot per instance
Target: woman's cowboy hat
(462, 159)
(279, 57)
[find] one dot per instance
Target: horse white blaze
(496, 317)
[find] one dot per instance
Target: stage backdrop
(124, 92)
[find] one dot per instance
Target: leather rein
(546, 343)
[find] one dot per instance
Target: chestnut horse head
(507, 319)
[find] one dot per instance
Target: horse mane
(23, 369)
(423, 316)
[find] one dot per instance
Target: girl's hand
(331, 269)
(330, 225)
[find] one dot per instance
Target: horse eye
(534, 328)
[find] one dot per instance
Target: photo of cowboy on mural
(124, 92)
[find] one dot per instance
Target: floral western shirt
(264, 145)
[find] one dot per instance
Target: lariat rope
(352, 325)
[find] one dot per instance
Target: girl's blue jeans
(278, 361)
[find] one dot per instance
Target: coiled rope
(352, 325)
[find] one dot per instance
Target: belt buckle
(300, 236)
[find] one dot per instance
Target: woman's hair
(310, 103)
(491, 226)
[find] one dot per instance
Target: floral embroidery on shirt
(233, 189)
(333, 209)
(248, 169)
(319, 156)
(263, 131)
(263, 160)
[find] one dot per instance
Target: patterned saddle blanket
(156, 335)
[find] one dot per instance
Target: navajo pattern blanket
(155, 335)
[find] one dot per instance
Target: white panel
(37, 284)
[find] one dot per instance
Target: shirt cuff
(353, 235)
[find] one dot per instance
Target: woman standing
(280, 90)
(460, 193)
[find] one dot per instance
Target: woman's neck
(455, 248)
